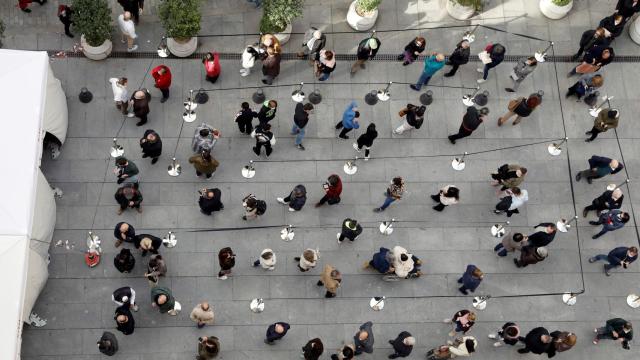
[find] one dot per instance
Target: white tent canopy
(31, 103)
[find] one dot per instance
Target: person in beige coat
(204, 163)
(448, 195)
(267, 260)
(202, 314)
(509, 176)
(463, 347)
(308, 260)
(331, 279)
(402, 261)
(510, 243)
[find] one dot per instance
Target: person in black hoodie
(124, 261)
(413, 50)
(244, 117)
(608, 200)
(313, 349)
(367, 49)
(414, 117)
(123, 232)
(108, 344)
(459, 56)
(350, 230)
(591, 38)
(267, 111)
(402, 345)
(543, 237)
(470, 122)
(300, 120)
(613, 25)
(537, 341)
(210, 200)
(147, 243)
(627, 8)
(124, 320)
(128, 197)
(64, 14)
(366, 140)
(151, 145)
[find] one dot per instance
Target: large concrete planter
(459, 12)
(285, 35)
(634, 30)
(182, 48)
(96, 52)
(361, 23)
(553, 11)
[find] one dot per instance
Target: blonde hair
(472, 316)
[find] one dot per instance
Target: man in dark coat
(64, 15)
(608, 200)
(350, 230)
(296, 198)
(617, 329)
(471, 279)
(627, 8)
(367, 49)
(140, 103)
(123, 232)
(108, 344)
(151, 145)
(128, 197)
(544, 236)
(300, 120)
(244, 117)
(613, 24)
(620, 256)
(162, 298)
(134, 7)
(124, 320)
(147, 243)
(537, 341)
(599, 166)
(381, 262)
(591, 38)
(402, 345)
(459, 56)
(363, 339)
(313, 349)
(276, 332)
(210, 200)
(124, 261)
(470, 122)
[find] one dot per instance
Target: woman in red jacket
(332, 191)
(24, 4)
(162, 75)
(211, 63)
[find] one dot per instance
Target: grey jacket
(318, 44)
(522, 69)
(366, 345)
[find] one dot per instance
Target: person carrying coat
(599, 166)
(325, 63)
(594, 59)
(267, 111)
(587, 86)
(204, 164)
(210, 201)
(561, 342)
(314, 41)
(128, 197)
(249, 56)
(363, 339)
(140, 104)
(521, 108)
(211, 63)
(367, 50)
(308, 260)
(606, 119)
(267, 260)
(462, 321)
(162, 76)
(591, 38)
(464, 346)
(610, 221)
(147, 243)
(65, 14)
(627, 8)
(108, 344)
(613, 25)
(366, 140)
(510, 243)
(513, 199)
(330, 279)
(300, 121)
(151, 145)
(163, 300)
(312, 349)
(350, 230)
(470, 280)
(432, 65)
(244, 117)
(530, 255)
(617, 329)
(523, 68)
(448, 195)
(470, 122)
(227, 260)
(394, 192)
(537, 341)
(509, 176)
(332, 190)
(156, 268)
(202, 314)
(412, 50)
(270, 66)
(381, 261)
(402, 345)
(493, 55)
(208, 348)
(124, 232)
(459, 56)
(543, 237)
(414, 117)
(296, 198)
(608, 200)
(124, 320)
(509, 334)
(349, 120)
(124, 261)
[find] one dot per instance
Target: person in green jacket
(204, 163)
(606, 119)
(163, 299)
(616, 329)
(432, 64)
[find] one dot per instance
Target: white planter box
(553, 11)
(284, 36)
(96, 52)
(459, 12)
(634, 30)
(360, 23)
(182, 49)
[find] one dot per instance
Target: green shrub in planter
(366, 6)
(277, 14)
(477, 4)
(561, 2)
(180, 18)
(92, 18)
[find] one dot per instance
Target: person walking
(509, 176)
(253, 207)
(120, 94)
(270, 66)
(249, 56)
(308, 260)
(513, 199)
(202, 314)
(124, 320)
(128, 31)
(244, 117)
(414, 118)
(543, 237)
(205, 137)
(347, 352)
(151, 145)
(412, 50)
(349, 120)
(204, 164)
(147, 243)
(586, 86)
(264, 137)
(325, 63)
(591, 38)
(448, 195)
(128, 196)
(608, 200)
(531, 255)
(210, 201)
(162, 76)
(108, 344)
(211, 63)
(464, 346)
(125, 296)
(432, 64)
(208, 348)
(267, 111)
(270, 41)
(610, 221)
(606, 119)
(65, 14)
(314, 41)
(599, 166)
(332, 190)
(593, 60)
(510, 243)
(135, 7)
(300, 121)
(367, 50)
(616, 329)
(366, 141)
(536, 341)
(462, 321)
(275, 332)
(156, 268)
(126, 171)
(227, 260)
(140, 105)
(402, 345)
(312, 349)
(470, 122)
(523, 68)
(296, 198)
(163, 300)
(381, 261)
(363, 339)
(267, 260)
(124, 232)
(394, 192)
(124, 261)
(509, 334)
(459, 56)
(627, 8)
(561, 341)
(521, 107)
(439, 353)
(24, 4)
(491, 57)
(470, 280)
(350, 230)
(331, 279)
(613, 25)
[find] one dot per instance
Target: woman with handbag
(264, 137)
(594, 59)
(586, 86)
(413, 50)
(414, 117)
(520, 107)
(325, 64)
(491, 57)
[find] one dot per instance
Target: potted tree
(463, 9)
(555, 9)
(181, 21)
(362, 14)
(92, 18)
(277, 16)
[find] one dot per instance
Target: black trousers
(454, 69)
(245, 127)
(344, 132)
(67, 25)
(267, 147)
(165, 93)
(462, 133)
(594, 133)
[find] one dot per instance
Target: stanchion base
(386, 228)
(248, 172)
(498, 230)
(633, 300)
(174, 170)
(563, 226)
(350, 168)
(458, 164)
(376, 303)
(479, 303)
(554, 150)
(163, 51)
(540, 57)
(201, 98)
(286, 234)
(594, 112)
(170, 240)
(370, 99)
(256, 305)
(297, 96)
(467, 100)
(383, 95)
(189, 116)
(315, 98)
(569, 299)
(117, 151)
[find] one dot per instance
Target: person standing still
(64, 15)
(120, 94)
(128, 30)
(276, 332)
(300, 120)
(244, 117)
(151, 145)
(606, 119)
(162, 76)
(204, 164)
(140, 105)
(367, 50)
(432, 64)
(202, 314)
(135, 7)
(270, 66)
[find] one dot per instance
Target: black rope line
(330, 83)
(635, 224)
(517, 34)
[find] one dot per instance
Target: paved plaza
(77, 300)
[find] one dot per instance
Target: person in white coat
(448, 195)
(513, 199)
(308, 260)
(463, 347)
(402, 261)
(267, 260)
(249, 56)
(120, 94)
(128, 29)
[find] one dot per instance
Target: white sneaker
(271, 269)
(446, 321)
(395, 132)
(355, 146)
(244, 72)
(292, 209)
(130, 115)
(134, 48)
(480, 70)
(281, 201)
(135, 307)
(497, 344)
(480, 81)
(493, 336)
(223, 277)
(366, 158)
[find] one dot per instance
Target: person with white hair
(314, 41)
(402, 345)
(128, 29)
(367, 50)
(125, 296)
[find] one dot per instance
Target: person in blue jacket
(620, 256)
(432, 64)
(599, 166)
(380, 261)
(610, 221)
(349, 120)
(471, 279)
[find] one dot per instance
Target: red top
(23, 4)
(162, 81)
(212, 67)
(334, 191)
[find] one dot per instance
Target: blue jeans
(488, 67)
(423, 80)
(387, 202)
(605, 258)
(324, 76)
(500, 250)
(300, 133)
